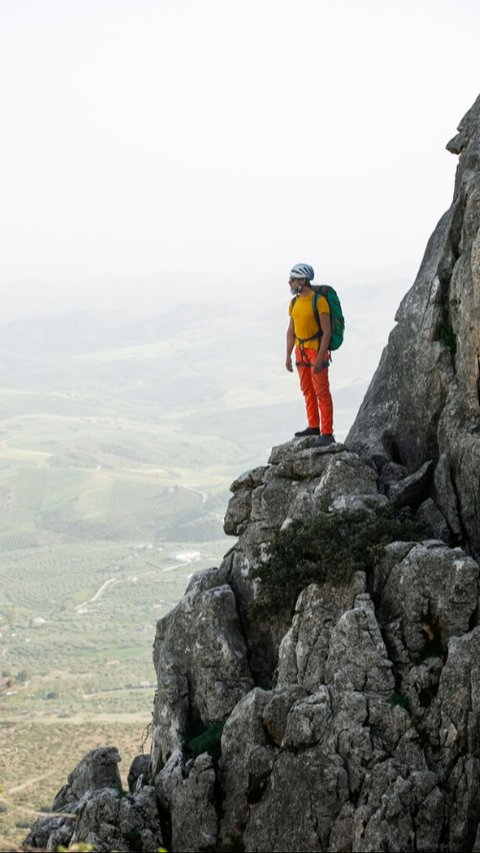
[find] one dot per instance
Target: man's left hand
(320, 363)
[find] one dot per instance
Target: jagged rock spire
(424, 400)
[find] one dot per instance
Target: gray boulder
(454, 716)
(92, 808)
(357, 658)
(411, 489)
(305, 647)
(200, 657)
(50, 832)
(434, 521)
(139, 771)
(97, 769)
(429, 596)
(186, 790)
(110, 821)
(246, 763)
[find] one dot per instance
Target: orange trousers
(316, 390)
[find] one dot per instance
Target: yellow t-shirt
(304, 321)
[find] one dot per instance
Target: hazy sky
(193, 140)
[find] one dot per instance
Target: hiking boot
(308, 431)
(324, 440)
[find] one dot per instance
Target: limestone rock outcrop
(350, 722)
(200, 657)
(424, 400)
(92, 808)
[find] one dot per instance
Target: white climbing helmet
(302, 271)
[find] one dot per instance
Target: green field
(96, 542)
(79, 621)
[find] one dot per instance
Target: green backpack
(336, 314)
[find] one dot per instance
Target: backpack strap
(336, 315)
(316, 297)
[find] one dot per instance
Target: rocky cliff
(349, 721)
(424, 400)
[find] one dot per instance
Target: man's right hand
(288, 363)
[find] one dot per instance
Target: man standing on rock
(312, 355)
